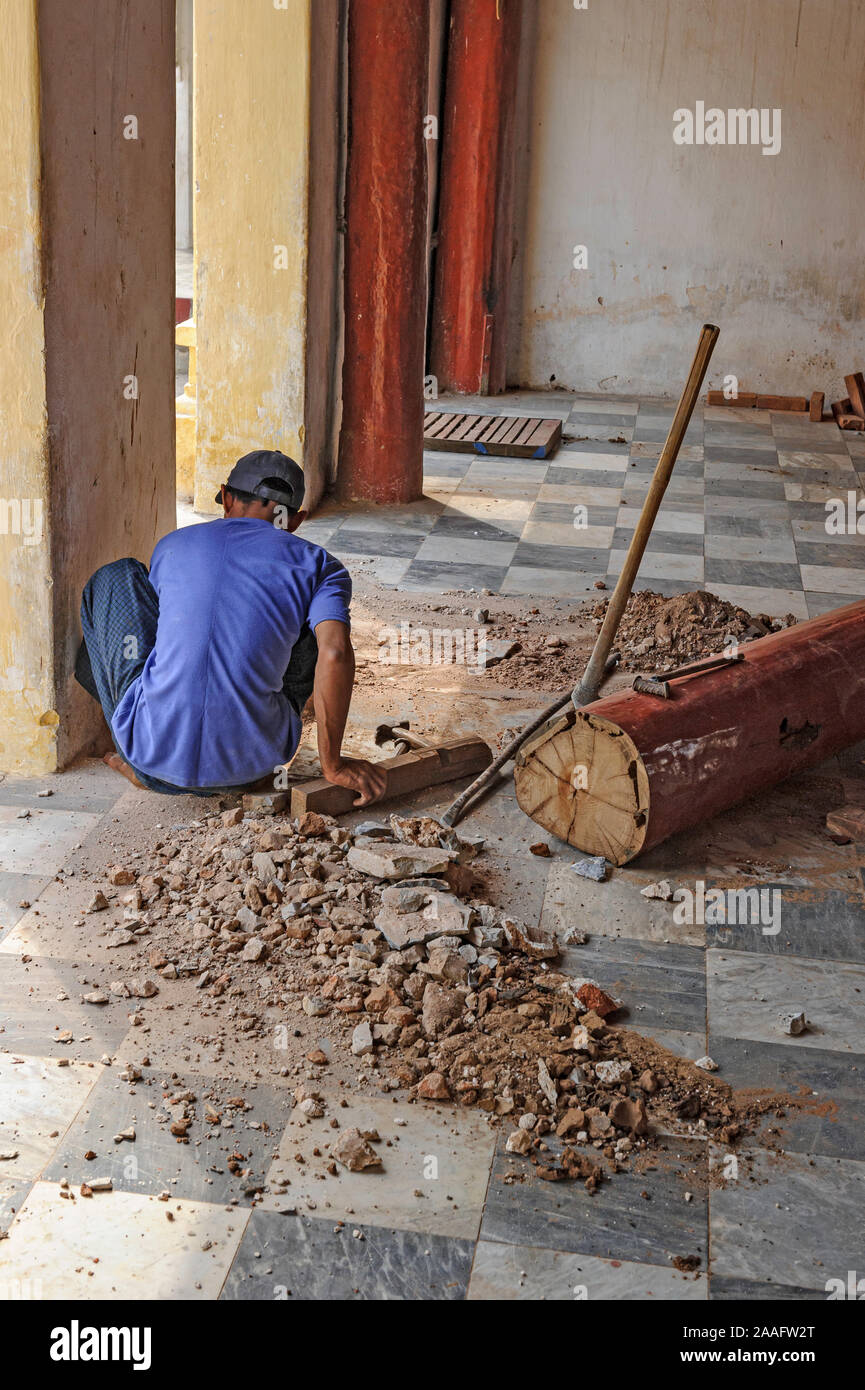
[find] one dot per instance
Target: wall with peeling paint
(768, 247)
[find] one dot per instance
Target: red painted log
(476, 207)
(628, 771)
(381, 438)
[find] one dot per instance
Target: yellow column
(27, 716)
(86, 284)
(265, 239)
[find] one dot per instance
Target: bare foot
(116, 763)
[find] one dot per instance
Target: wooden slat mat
(523, 436)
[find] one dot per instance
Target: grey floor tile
(350, 543)
(841, 556)
(156, 1160)
(616, 1222)
(454, 523)
(829, 1087)
(822, 924)
(562, 513)
(430, 574)
(818, 604)
(723, 1290)
(680, 542)
(766, 574)
(661, 985)
(747, 992)
(583, 477)
(794, 1219)
(598, 446)
(513, 1272)
(585, 417)
(562, 557)
(298, 1258)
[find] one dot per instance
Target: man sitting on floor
(203, 666)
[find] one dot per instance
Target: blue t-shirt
(207, 709)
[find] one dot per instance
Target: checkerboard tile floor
(744, 514)
(453, 1216)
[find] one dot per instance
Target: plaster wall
(767, 246)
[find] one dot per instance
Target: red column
(381, 440)
(469, 326)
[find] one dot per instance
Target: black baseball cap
(249, 473)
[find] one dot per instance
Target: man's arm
(331, 697)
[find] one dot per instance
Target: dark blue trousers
(119, 614)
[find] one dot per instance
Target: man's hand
(360, 776)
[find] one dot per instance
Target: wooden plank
(542, 434)
(746, 400)
(797, 403)
(840, 408)
(851, 422)
(815, 410)
(855, 384)
(451, 428)
(511, 434)
(440, 424)
(430, 418)
(479, 424)
(465, 424)
(408, 772)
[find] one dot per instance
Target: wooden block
(408, 772)
(850, 422)
(856, 387)
(745, 400)
(815, 411)
(782, 403)
(840, 408)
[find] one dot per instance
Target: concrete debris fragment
(794, 1023)
(354, 1152)
(662, 891)
(595, 867)
(98, 903)
(399, 861)
(706, 1064)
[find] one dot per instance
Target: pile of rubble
(658, 634)
(383, 937)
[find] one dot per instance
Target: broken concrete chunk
(315, 1006)
(663, 891)
(399, 861)
(143, 988)
(519, 940)
(594, 868)
(613, 1073)
(546, 1083)
(255, 949)
(443, 915)
(354, 1152)
(794, 1023)
(518, 1142)
(434, 1087)
(263, 867)
(440, 1007)
(98, 903)
(706, 1064)
(361, 1040)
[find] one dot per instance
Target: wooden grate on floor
(523, 436)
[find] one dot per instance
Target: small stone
(122, 1134)
(254, 949)
(630, 1115)
(706, 1064)
(98, 903)
(120, 876)
(519, 1141)
(434, 1087)
(648, 1082)
(541, 849)
(361, 1040)
(233, 816)
(143, 988)
(315, 1006)
(663, 891)
(354, 1152)
(613, 1073)
(794, 1023)
(96, 996)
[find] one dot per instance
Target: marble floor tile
(816, 922)
(300, 1259)
(461, 527)
(670, 542)
(835, 579)
(662, 564)
(734, 415)
(470, 551)
(661, 984)
(513, 1272)
(768, 489)
(589, 561)
(572, 491)
(15, 889)
(747, 992)
(758, 599)
(435, 575)
(612, 909)
(794, 1219)
(554, 534)
(810, 461)
(828, 1088)
(38, 1103)
(822, 491)
(606, 405)
(580, 462)
(156, 1161)
(119, 1245)
(40, 999)
(505, 511)
(88, 785)
(586, 415)
(433, 1178)
(13, 1192)
(616, 1222)
(609, 447)
(689, 453)
(41, 843)
(723, 1290)
(754, 574)
(353, 543)
(384, 569)
(818, 604)
(669, 520)
(756, 549)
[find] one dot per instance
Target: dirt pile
(657, 633)
(383, 936)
